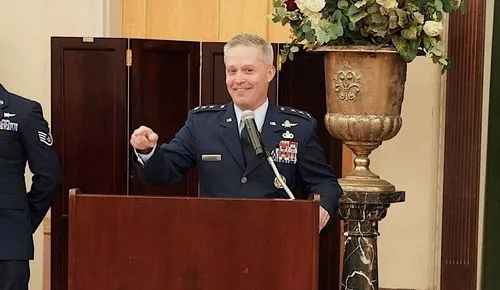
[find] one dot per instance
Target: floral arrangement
(412, 27)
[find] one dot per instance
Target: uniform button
(244, 179)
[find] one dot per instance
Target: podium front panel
(125, 242)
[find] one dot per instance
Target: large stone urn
(365, 89)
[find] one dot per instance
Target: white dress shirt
(260, 116)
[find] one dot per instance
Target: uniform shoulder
(208, 108)
(296, 112)
(21, 104)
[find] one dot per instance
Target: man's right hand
(143, 139)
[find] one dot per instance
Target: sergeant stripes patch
(45, 138)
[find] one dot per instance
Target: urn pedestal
(362, 211)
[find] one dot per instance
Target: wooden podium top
(143, 242)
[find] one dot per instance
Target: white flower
(433, 28)
(313, 5)
(313, 16)
(388, 4)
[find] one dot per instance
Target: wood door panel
(164, 87)
(89, 128)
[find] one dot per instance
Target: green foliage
(412, 27)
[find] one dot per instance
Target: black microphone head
(247, 114)
(248, 118)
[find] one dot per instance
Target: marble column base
(362, 211)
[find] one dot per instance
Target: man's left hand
(324, 216)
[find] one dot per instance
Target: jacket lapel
(271, 135)
(231, 136)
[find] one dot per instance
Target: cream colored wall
(25, 29)
(410, 241)
(407, 245)
(484, 134)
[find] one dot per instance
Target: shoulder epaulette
(209, 108)
(295, 112)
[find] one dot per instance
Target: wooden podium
(151, 242)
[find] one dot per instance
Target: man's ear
(271, 71)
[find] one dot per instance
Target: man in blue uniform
(210, 139)
(24, 137)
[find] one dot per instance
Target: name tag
(211, 157)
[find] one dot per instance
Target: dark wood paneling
(462, 148)
(213, 75)
(302, 85)
(136, 243)
(491, 251)
(89, 123)
(164, 86)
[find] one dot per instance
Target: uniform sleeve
(315, 173)
(42, 160)
(170, 162)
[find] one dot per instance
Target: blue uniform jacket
(24, 137)
(210, 140)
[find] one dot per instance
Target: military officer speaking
(210, 139)
(24, 137)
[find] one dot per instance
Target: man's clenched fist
(143, 139)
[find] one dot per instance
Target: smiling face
(247, 76)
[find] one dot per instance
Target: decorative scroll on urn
(365, 88)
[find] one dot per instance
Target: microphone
(248, 118)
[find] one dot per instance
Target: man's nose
(240, 77)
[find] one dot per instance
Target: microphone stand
(278, 175)
(248, 118)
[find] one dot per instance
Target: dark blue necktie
(248, 151)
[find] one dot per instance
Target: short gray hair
(252, 40)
